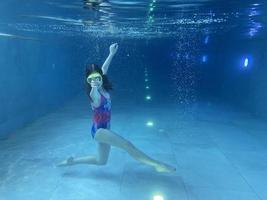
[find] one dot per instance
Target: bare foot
(165, 168)
(68, 162)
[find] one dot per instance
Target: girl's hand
(93, 85)
(113, 48)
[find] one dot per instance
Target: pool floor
(219, 152)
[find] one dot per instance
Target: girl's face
(95, 80)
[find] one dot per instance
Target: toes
(61, 164)
(70, 160)
(67, 162)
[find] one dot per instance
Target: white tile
(219, 154)
(202, 193)
(141, 182)
(206, 166)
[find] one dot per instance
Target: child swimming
(98, 87)
(96, 3)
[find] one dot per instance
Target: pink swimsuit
(101, 115)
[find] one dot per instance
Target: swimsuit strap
(104, 97)
(103, 101)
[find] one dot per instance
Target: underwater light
(246, 62)
(158, 197)
(204, 58)
(150, 124)
(146, 80)
(148, 97)
(147, 87)
(206, 41)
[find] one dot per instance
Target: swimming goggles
(94, 77)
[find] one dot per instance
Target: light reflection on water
(136, 19)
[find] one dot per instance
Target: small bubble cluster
(183, 73)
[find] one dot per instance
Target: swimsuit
(101, 115)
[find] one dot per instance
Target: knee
(102, 162)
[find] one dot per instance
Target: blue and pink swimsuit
(101, 115)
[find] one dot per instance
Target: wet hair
(93, 68)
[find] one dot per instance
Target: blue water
(189, 83)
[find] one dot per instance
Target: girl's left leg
(100, 159)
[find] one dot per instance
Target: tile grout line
(173, 153)
(235, 167)
(10, 169)
(238, 171)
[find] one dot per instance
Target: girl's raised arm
(112, 51)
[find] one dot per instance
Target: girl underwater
(98, 87)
